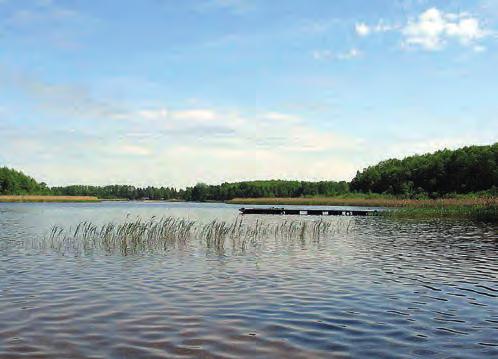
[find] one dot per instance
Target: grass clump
(41, 198)
(480, 210)
(160, 235)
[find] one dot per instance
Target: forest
(443, 173)
(14, 182)
(465, 170)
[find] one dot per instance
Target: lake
(373, 287)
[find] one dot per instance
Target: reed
(162, 234)
(485, 211)
(40, 198)
(369, 201)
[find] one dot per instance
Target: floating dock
(310, 212)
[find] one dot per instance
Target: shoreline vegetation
(365, 201)
(42, 198)
(478, 208)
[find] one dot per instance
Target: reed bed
(487, 212)
(163, 234)
(371, 202)
(36, 198)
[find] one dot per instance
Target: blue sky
(165, 92)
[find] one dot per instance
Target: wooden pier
(309, 212)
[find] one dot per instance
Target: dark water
(383, 288)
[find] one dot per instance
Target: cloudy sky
(168, 92)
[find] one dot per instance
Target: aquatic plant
(162, 234)
(484, 210)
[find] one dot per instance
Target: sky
(172, 93)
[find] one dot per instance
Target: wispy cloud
(62, 99)
(133, 150)
(35, 16)
(278, 116)
(330, 55)
(234, 6)
(46, 22)
(362, 29)
(276, 130)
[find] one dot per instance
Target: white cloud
(196, 121)
(362, 29)
(434, 28)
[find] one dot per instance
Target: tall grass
(372, 201)
(480, 211)
(40, 198)
(160, 235)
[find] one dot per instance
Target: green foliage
(271, 188)
(17, 183)
(118, 191)
(482, 212)
(466, 170)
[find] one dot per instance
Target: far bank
(41, 198)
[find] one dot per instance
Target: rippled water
(382, 288)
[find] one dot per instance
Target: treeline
(272, 188)
(465, 170)
(17, 183)
(119, 192)
(203, 192)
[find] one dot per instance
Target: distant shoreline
(41, 198)
(75, 199)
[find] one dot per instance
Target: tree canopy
(17, 183)
(465, 170)
(270, 188)
(118, 192)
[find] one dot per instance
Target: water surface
(376, 288)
